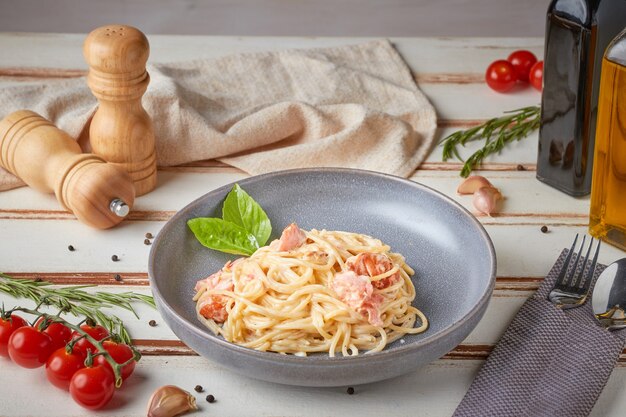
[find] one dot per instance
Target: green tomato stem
(117, 368)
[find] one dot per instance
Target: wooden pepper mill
(121, 131)
(49, 160)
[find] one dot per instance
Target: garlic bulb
(486, 199)
(472, 184)
(170, 401)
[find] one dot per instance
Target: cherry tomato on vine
(500, 76)
(30, 348)
(92, 387)
(120, 353)
(62, 365)
(60, 333)
(522, 61)
(536, 75)
(7, 327)
(97, 332)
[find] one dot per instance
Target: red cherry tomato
(522, 61)
(500, 76)
(7, 327)
(61, 367)
(97, 332)
(92, 387)
(536, 75)
(120, 353)
(60, 333)
(30, 348)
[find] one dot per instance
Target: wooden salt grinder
(49, 160)
(121, 131)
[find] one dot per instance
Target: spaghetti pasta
(315, 291)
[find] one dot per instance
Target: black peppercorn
(210, 398)
(147, 242)
(118, 277)
(544, 229)
(71, 248)
(198, 388)
(114, 258)
(521, 167)
(149, 235)
(350, 390)
(152, 323)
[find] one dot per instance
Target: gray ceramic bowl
(450, 251)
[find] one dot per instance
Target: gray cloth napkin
(549, 362)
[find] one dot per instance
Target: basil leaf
(223, 236)
(241, 209)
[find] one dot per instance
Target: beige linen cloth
(352, 106)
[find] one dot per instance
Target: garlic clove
(170, 401)
(486, 200)
(473, 183)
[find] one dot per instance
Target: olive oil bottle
(607, 219)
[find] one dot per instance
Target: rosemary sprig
(74, 300)
(496, 132)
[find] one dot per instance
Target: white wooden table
(35, 233)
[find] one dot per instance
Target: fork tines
(571, 275)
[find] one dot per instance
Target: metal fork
(571, 287)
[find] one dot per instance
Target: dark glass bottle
(577, 33)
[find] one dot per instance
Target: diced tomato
(215, 309)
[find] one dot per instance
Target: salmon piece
(358, 293)
(214, 306)
(372, 264)
(205, 281)
(352, 289)
(215, 282)
(291, 238)
(371, 307)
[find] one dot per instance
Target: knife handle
(49, 160)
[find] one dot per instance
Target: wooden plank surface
(424, 55)
(36, 232)
(176, 188)
(434, 390)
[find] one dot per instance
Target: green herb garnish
(241, 209)
(516, 125)
(243, 228)
(223, 236)
(75, 300)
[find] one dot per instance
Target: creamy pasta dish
(312, 291)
